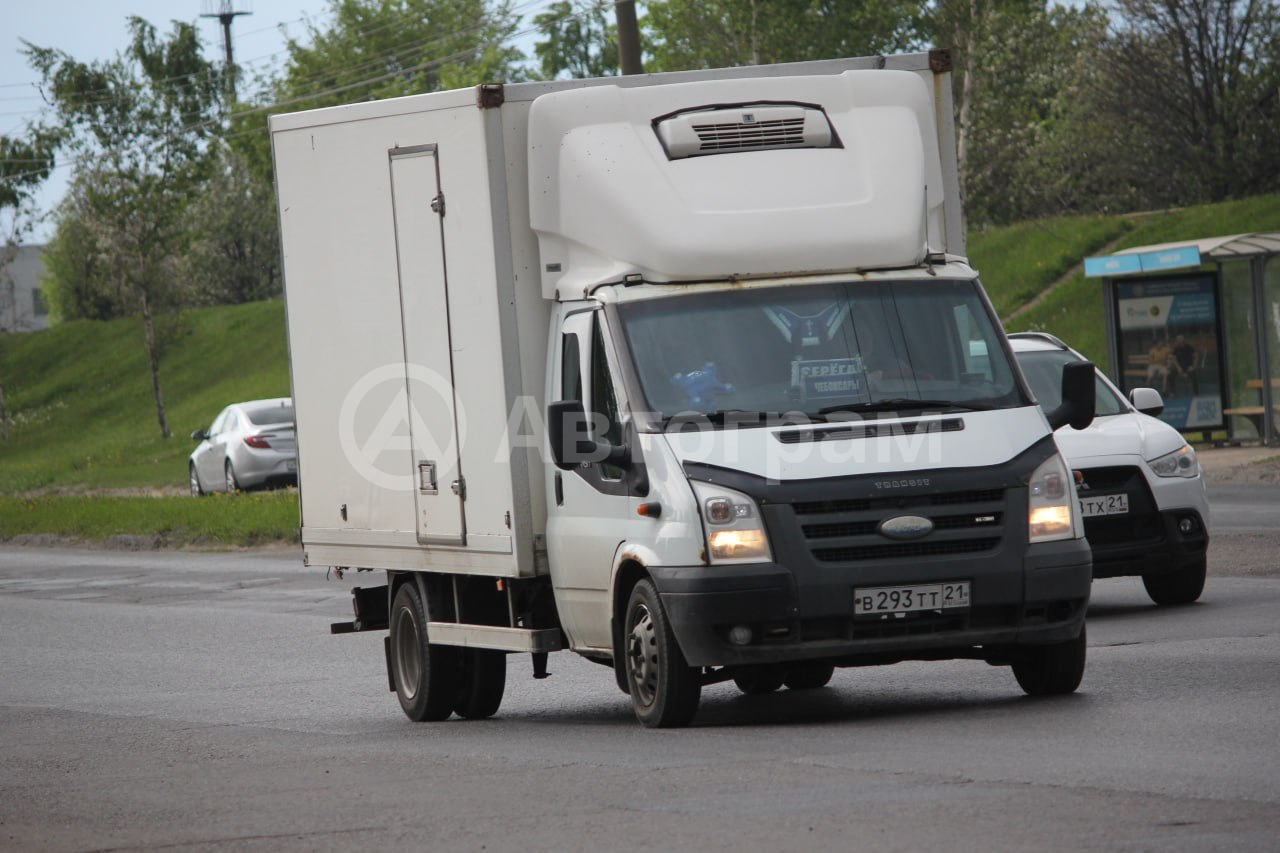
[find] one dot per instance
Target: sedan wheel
(194, 479)
(233, 485)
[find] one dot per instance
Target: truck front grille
(848, 530)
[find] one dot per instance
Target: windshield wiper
(720, 417)
(894, 404)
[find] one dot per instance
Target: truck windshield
(857, 347)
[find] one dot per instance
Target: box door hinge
(437, 204)
(459, 487)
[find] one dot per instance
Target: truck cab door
(589, 509)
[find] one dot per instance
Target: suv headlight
(1180, 463)
(734, 529)
(1051, 502)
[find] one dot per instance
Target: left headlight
(735, 531)
(1180, 463)
(1050, 502)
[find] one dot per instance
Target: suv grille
(1140, 524)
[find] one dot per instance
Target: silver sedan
(248, 445)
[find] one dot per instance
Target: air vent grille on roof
(744, 127)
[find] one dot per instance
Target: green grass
(80, 403)
(213, 521)
(1074, 311)
(1018, 261)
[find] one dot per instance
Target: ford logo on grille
(905, 527)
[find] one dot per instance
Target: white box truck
(686, 373)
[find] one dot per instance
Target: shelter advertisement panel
(1170, 339)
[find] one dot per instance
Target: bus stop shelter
(1199, 320)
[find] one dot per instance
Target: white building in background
(21, 308)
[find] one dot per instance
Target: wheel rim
(232, 485)
(408, 654)
(642, 655)
(195, 480)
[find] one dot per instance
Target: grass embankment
(1075, 311)
(215, 521)
(83, 422)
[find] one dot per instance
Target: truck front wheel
(1052, 669)
(664, 689)
(427, 678)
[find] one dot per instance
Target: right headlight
(1180, 463)
(1051, 502)
(734, 529)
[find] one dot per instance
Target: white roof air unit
(744, 127)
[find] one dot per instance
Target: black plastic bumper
(1040, 599)
(1170, 551)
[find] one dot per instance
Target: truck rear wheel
(1052, 669)
(664, 689)
(427, 677)
(809, 675)
(484, 679)
(1180, 587)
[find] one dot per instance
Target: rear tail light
(259, 441)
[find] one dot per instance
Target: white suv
(1142, 492)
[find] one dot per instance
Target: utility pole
(628, 37)
(225, 11)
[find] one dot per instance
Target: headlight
(735, 532)
(1180, 463)
(1051, 502)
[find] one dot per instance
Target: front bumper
(1148, 539)
(1035, 597)
(1156, 546)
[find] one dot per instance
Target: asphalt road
(182, 700)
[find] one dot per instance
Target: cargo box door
(439, 490)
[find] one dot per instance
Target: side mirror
(1147, 400)
(198, 435)
(1078, 397)
(568, 433)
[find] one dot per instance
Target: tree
(373, 49)
(376, 49)
(139, 125)
(1201, 80)
(233, 250)
(578, 40)
(1019, 68)
(689, 34)
(24, 165)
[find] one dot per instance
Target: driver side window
(604, 402)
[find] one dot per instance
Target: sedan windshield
(857, 347)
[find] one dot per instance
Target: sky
(96, 29)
